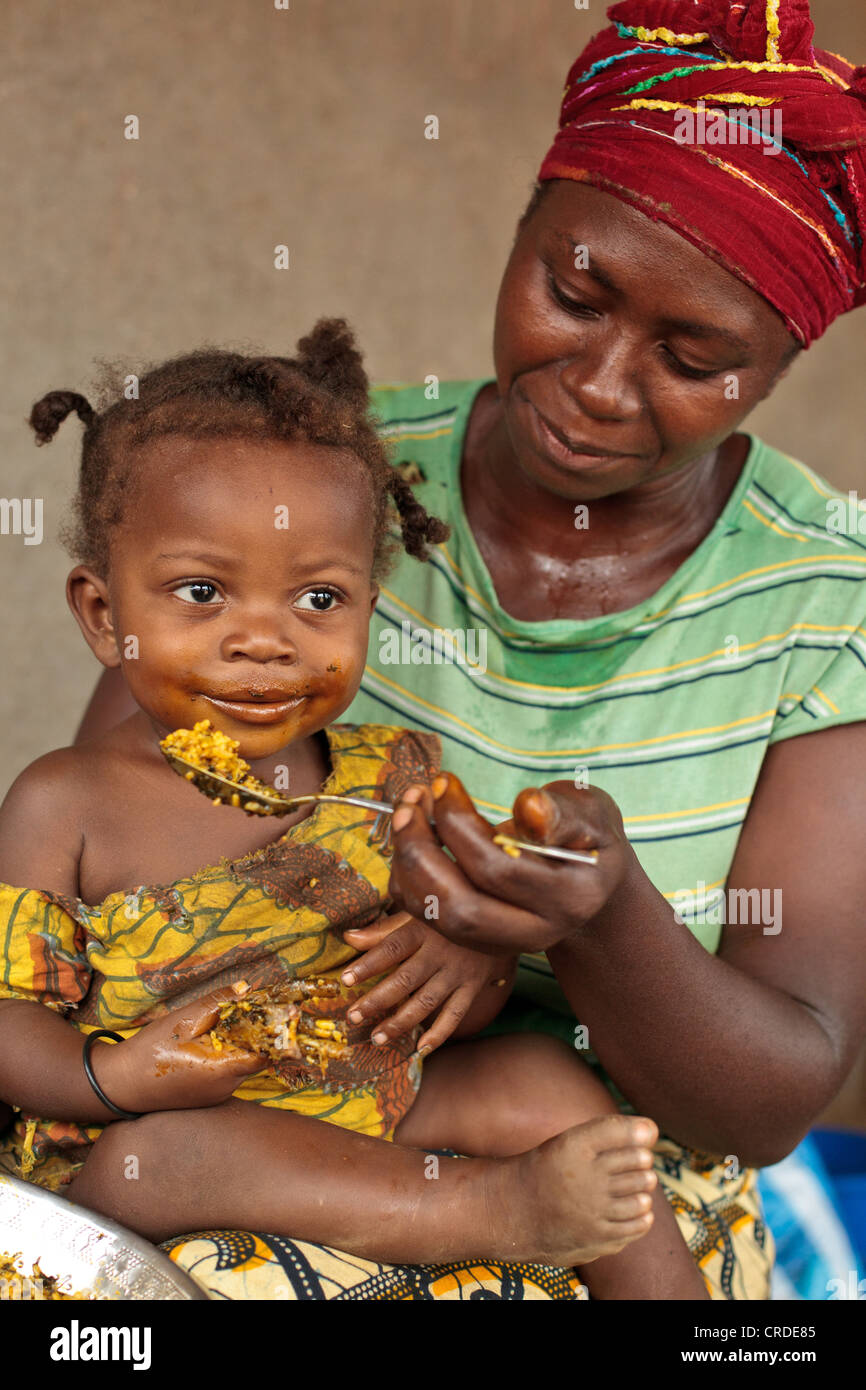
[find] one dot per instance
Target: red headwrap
(639, 121)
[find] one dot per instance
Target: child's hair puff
(320, 396)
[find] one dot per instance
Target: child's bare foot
(582, 1194)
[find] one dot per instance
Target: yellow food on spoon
(211, 751)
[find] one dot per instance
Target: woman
(641, 596)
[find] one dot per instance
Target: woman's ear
(87, 596)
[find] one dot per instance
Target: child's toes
(624, 1231)
(630, 1207)
(628, 1160)
(612, 1133)
(640, 1180)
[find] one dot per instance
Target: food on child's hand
(274, 1024)
(213, 758)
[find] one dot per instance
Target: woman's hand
(488, 899)
(424, 973)
(170, 1064)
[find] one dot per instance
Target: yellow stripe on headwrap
(793, 228)
(833, 77)
(773, 31)
(741, 98)
(665, 35)
(651, 104)
(656, 104)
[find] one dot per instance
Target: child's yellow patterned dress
(273, 915)
(276, 914)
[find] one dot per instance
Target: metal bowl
(88, 1254)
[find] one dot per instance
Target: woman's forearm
(110, 703)
(41, 1067)
(722, 1062)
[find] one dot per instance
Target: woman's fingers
(419, 794)
(561, 814)
(558, 814)
(491, 899)
(523, 879)
(432, 887)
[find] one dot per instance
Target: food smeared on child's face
(242, 569)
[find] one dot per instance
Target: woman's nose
(604, 381)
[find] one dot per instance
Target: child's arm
(41, 834)
(167, 1065)
(41, 1067)
(426, 973)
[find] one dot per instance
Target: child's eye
(320, 600)
(197, 592)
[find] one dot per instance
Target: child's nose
(260, 639)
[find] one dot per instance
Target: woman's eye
(573, 306)
(317, 601)
(197, 592)
(693, 373)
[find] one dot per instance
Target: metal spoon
(263, 800)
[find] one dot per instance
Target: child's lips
(257, 711)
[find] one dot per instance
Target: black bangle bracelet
(88, 1072)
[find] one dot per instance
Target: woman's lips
(553, 446)
(256, 711)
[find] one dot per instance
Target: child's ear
(87, 596)
(374, 594)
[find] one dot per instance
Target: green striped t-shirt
(669, 706)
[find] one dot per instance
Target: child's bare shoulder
(43, 818)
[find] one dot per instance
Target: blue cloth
(844, 1154)
(815, 1256)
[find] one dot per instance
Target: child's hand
(426, 971)
(170, 1063)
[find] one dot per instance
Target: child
(231, 523)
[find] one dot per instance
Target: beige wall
(257, 127)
